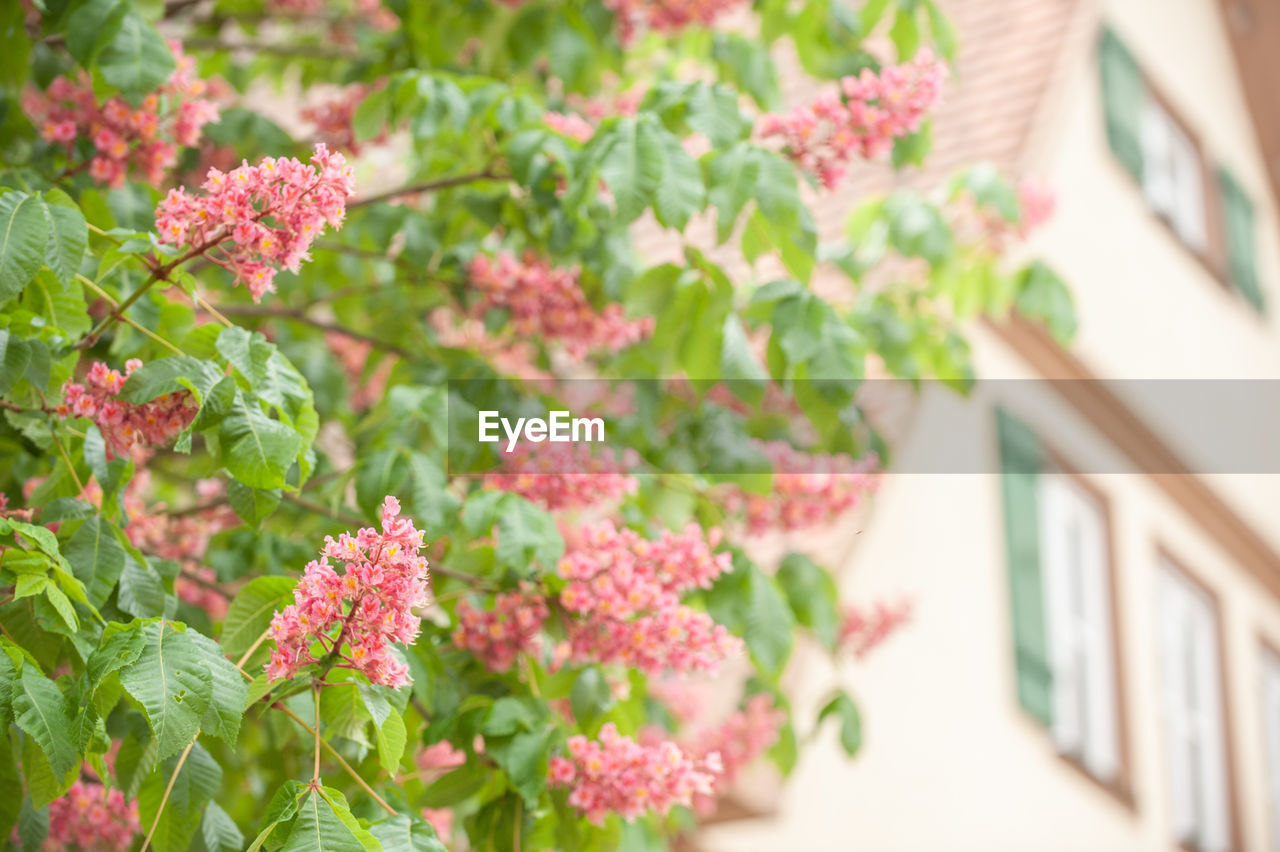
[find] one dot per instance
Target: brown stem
(299, 50)
(429, 186)
(296, 315)
(167, 790)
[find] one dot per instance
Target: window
(1161, 155)
(1056, 536)
(1271, 726)
(1172, 179)
(1073, 555)
(1196, 740)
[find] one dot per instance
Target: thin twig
(295, 315)
(306, 51)
(167, 790)
(103, 294)
(428, 186)
(62, 451)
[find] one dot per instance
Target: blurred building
(1094, 662)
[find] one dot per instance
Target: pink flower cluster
(808, 490)
(499, 635)
(334, 118)
(569, 124)
(181, 538)
(616, 774)
(123, 424)
(146, 138)
(864, 628)
(624, 591)
(255, 219)
(739, 740)
(564, 476)
(91, 817)
(352, 619)
(635, 17)
(353, 354)
(548, 302)
(864, 118)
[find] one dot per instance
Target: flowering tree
(224, 342)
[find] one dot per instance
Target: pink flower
(564, 476)
(864, 628)
(809, 490)
(634, 17)
(353, 356)
(616, 774)
(441, 755)
(91, 817)
(569, 124)
(126, 426)
(123, 136)
(548, 302)
(869, 113)
(499, 635)
(255, 220)
(737, 742)
(623, 593)
(354, 618)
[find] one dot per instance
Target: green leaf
(140, 591)
(811, 594)
(218, 831)
(229, 691)
(172, 682)
(390, 738)
(195, 785)
(10, 805)
(252, 505)
(680, 193)
(844, 709)
(93, 24)
(42, 712)
(24, 234)
(259, 451)
(62, 305)
(747, 601)
(631, 157)
(15, 354)
(250, 613)
(406, 833)
(170, 375)
(590, 696)
(528, 534)
(96, 558)
(523, 758)
(68, 235)
(136, 60)
(1043, 295)
(319, 829)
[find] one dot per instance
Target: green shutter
(1123, 94)
(1238, 218)
(1021, 461)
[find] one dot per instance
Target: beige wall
(950, 761)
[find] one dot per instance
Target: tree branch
(429, 186)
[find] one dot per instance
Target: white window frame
(1075, 565)
(1195, 733)
(1172, 175)
(1270, 693)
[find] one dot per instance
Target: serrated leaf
(681, 193)
(136, 60)
(390, 738)
(15, 354)
(68, 235)
(41, 711)
(140, 591)
(630, 154)
(96, 558)
(252, 505)
(812, 596)
(24, 234)
(258, 450)
(171, 681)
(193, 787)
(229, 691)
(250, 612)
(318, 828)
(406, 833)
(218, 831)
